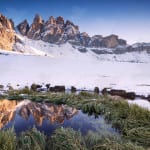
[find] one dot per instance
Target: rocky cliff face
(57, 30)
(36, 28)
(7, 36)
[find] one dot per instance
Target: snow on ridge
(140, 44)
(38, 47)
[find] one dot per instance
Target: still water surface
(47, 117)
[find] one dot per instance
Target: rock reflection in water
(39, 111)
(47, 117)
(7, 111)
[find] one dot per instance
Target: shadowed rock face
(60, 20)
(112, 41)
(35, 28)
(7, 37)
(23, 27)
(39, 111)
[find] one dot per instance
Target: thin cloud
(78, 13)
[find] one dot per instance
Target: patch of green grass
(8, 139)
(66, 139)
(31, 140)
(96, 141)
(63, 139)
(132, 121)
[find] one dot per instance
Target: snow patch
(142, 103)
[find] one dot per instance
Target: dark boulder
(57, 89)
(47, 86)
(117, 92)
(1, 86)
(105, 91)
(148, 98)
(73, 89)
(96, 90)
(122, 93)
(34, 87)
(130, 95)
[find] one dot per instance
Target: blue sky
(130, 19)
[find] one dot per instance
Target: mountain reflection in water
(46, 117)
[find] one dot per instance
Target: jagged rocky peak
(60, 20)
(71, 30)
(51, 21)
(7, 36)
(36, 28)
(69, 23)
(6, 23)
(23, 27)
(38, 19)
(57, 30)
(52, 31)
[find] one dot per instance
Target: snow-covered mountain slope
(66, 65)
(37, 47)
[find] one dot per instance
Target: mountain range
(58, 31)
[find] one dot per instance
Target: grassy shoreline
(131, 121)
